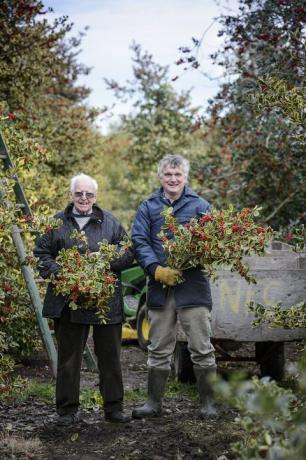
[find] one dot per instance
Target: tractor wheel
(183, 367)
(271, 358)
(143, 327)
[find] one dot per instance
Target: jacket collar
(97, 212)
(178, 204)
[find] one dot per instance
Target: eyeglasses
(176, 175)
(87, 195)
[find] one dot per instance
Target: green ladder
(31, 282)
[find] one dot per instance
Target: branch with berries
(216, 239)
(86, 278)
(296, 237)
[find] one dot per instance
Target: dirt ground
(28, 431)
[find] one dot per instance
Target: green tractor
(136, 326)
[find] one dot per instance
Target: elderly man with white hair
(72, 326)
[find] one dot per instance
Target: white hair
(174, 161)
(82, 176)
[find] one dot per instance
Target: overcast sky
(160, 26)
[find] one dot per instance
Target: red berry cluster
(85, 278)
(215, 239)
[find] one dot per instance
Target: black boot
(157, 379)
(203, 376)
(117, 416)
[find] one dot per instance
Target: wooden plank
(281, 278)
(231, 295)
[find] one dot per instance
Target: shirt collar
(75, 213)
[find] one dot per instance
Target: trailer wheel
(143, 327)
(271, 358)
(182, 364)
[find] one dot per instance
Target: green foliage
(12, 389)
(49, 132)
(254, 157)
(295, 236)
(273, 418)
(276, 316)
(163, 119)
(6, 363)
(38, 82)
(91, 399)
(254, 152)
(85, 278)
(18, 321)
(23, 390)
(38, 390)
(178, 390)
(174, 390)
(276, 93)
(216, 239)
(162, 122)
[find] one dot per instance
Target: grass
(174, 390)
(42, 391)
(90, 398)
(21, 389)
(178, 390)
(135, 395)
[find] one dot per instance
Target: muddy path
(27, 431)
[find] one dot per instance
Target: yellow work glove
(166, 275)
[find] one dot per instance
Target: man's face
(83, 196)
(173, 181)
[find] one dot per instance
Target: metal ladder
(31, 282)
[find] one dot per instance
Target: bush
(273, 418)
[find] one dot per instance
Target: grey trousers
(195, 322)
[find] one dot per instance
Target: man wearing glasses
(72, 326)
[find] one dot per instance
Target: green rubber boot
(157, 380)
(203, 376)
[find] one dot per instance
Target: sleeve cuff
(150, 269)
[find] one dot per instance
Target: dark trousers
(71, 340)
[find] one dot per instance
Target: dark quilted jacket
(102, 225)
